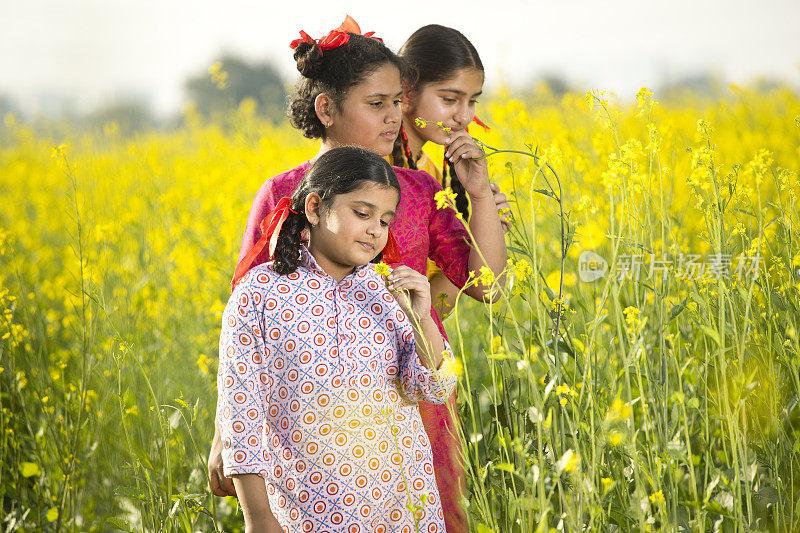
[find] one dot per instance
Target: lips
(391, 135)
(367, 246)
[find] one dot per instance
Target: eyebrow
(460, 93)
(383, 95)
(372, 206)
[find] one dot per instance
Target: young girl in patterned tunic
(321, 368)
(349, 94)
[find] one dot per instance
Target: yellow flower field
(641, 370)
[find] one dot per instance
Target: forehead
(384, 80)
(465, 80)
(384, 197)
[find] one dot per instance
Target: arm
(444, 294)
(255, 504)
(470, 165)
(242, 384)
(422, 349)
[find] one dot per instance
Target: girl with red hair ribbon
(322, 365)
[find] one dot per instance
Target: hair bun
(309, 60)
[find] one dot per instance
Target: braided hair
(334, 73)
(435, 53)
(337, 171)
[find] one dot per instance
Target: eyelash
(452, 100)
(359, 214)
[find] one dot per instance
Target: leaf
(711, 333)
(118, 523)
(505, 467)
(677, 309)
(29, 469)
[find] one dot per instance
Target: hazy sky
(94, 51)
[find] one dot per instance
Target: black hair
(334, 72)
(435, 53)
(337, 171)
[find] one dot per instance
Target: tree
(230, 80)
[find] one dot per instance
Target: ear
(312, 208)
(323, 105)
(408, 93)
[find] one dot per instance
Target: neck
(324, 146)
(415, 141)
(335, 270)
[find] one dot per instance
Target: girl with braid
(349, 94)
(321, 365)
(446, 80)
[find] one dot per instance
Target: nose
(374, 228)
(463, 116)
(394, 115)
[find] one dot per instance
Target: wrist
(485, 194)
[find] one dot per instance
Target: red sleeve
(450, 244)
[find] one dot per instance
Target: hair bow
(270, 230)
(480, 123)
(335, 38)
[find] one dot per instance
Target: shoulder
(426, 163)
(258, 281)
(416, 179)
(285, 183)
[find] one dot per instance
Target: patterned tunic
(314, 378)
(422, 232)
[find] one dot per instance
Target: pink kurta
(318, 387)
(421, 231)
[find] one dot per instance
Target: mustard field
(640, 372)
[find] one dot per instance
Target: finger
(494, 187)
(216, 488)
(228, 486)
(466, 152)
(500, 199)
(457, 142)
(409, 284)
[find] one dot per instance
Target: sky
(85, 53)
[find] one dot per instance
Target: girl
(447, 80)
(320, 368)
(350, 94)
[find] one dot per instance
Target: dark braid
(462, 202)
(337, 171)
(287, 248)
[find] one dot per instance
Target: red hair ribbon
(391, 252)
(270, 229)
(335, 38)
(480, 123)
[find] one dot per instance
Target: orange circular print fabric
(329, 420)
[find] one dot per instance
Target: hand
(220, 485)
(412, 291)
(470, 163)
(501, 201)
